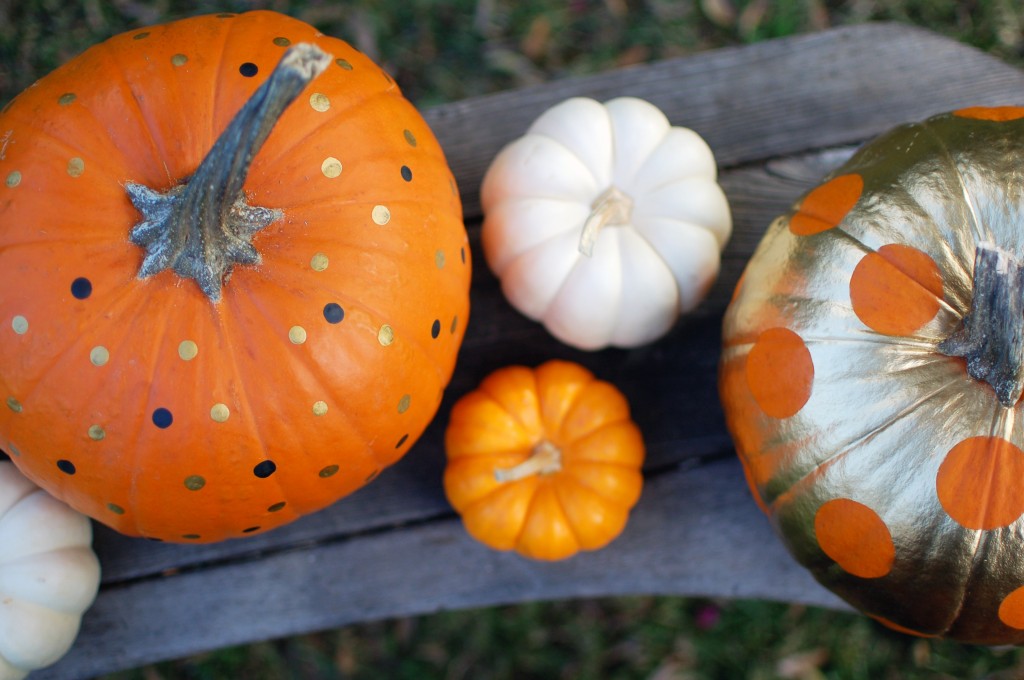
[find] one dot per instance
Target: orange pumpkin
(543, 461)
(330, 265)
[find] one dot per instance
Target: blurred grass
(445, 50)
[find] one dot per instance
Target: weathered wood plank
(774, 114)
(766, 100)
(694, 532)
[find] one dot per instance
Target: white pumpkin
(605, 222)
(49, 575)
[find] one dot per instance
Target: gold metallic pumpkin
(871, 377)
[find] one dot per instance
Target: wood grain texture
(779, 115)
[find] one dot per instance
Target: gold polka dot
(20, 325)
(115, 508)
(404, 402)
(331, 167)
(455, 325)
(319, 262)
(381, 214)
(320, 408)
(99, 355)
(194, 482)
(96, 432)
(344, 64)
(386, 335)
(220, 413)
(76, 166)
(282, 42)
(179, 60)
(297, 334)
(13, 450)
(14, 405)
(67, 98)
(319, 101)
(188, 350)
(329, 471)
(409, 137)
(141, 36)
(439, 259)
(13, 179)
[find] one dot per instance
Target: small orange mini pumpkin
(543, 461)
(330, 265)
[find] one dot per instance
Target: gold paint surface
(297, 334)
(319, 102)
(381, 215)
(99, 355)
(220, 413)
(188, 350)
(885, 410)
(319, 262)
(76, 166)
(331, 167)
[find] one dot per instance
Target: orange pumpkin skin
(143, 404)
(517, 413)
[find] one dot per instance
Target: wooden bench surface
(778, 116)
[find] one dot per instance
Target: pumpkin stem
(991, 336)
(613, 206)
(545, 459)
(201, 228)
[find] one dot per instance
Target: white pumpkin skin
(49, 575)
(656, 257)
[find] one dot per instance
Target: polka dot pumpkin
(871, 377)
(322, 325)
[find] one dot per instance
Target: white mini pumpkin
(605, 222)
(49, 575)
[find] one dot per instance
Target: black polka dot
(265, 469)
(250, 530)
(192, 537)
(162, 418)
(66, 466)
(401, 441)
(372, 476)
(462, 252)
(333, 312)
(248, 69)
(81, 288)
(435, 329)
(277, 507)
(406, 173)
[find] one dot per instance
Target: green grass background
(445, 50)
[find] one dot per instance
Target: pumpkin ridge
(490, 393)
(531, 508)
(976, 227)
(503, 488)
(235, 336)
(134, 159)
(852, 445)
(568, 474)
(944, 305)
(338, 118)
